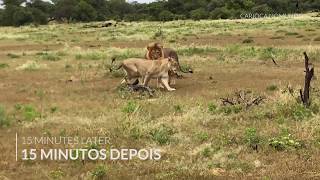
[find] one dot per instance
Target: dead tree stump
(305, 95)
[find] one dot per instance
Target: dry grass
(62, 87)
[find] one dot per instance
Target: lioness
(156, 51)
(145, 69)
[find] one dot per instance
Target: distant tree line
(21, 12)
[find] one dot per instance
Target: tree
(101, 8)
(13, 2)
(198, 14)
(166, 15)
(21, 16)
(220, 13)
(85, 12)
(65, 10)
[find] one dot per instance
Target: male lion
(145, 69)
(156, 52)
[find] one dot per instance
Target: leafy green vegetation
(162, 135)
(284, 141)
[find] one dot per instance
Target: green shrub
(99, 172)
(162, 135)
(300, 112)
(30, 113)
(3, 65)
(284, 141)
(317, 39)
(272, 88)
(27, 112)
(295, 111)
(4, 120)
(251, 137)
(130, 107)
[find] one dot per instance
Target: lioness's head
(173, 65)
(155, 51)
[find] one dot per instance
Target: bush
(251, 137)
(284, 141)
(162, 135)
(294, 111)
(30, 113)
(272, 88)
(3, 65)
(300, 112)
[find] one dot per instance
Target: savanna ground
(55, 82)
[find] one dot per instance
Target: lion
(145, 69)
(156, 52)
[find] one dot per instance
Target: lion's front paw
(171, 89)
